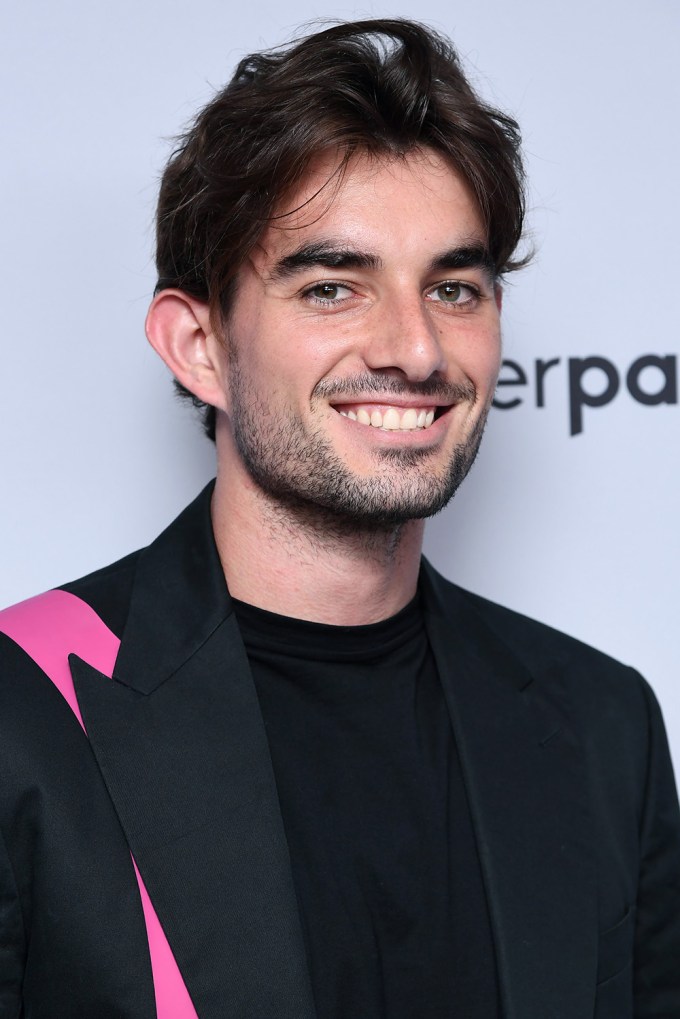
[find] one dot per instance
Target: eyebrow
(468, 256)
(327, 255)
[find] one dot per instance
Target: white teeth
(393, 419)
(409, 419)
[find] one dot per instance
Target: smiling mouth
(391, 418)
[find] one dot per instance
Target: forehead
(388, 204)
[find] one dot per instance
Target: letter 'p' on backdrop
(572, 512)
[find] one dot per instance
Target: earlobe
(178, 327)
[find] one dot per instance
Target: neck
(306, 562)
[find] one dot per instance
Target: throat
(310, 563)
(322, 531)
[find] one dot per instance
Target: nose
(405, 338)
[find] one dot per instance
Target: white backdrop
(579, 530)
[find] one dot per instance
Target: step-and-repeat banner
(571, 513)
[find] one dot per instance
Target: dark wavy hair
(380, 87)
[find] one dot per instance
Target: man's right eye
(327, 293)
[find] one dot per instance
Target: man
(334, 785)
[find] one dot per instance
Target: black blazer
(563, 754)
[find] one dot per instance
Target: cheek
(311, 357)
(481, 361)
(280, 347)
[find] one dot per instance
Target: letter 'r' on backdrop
(571, 514)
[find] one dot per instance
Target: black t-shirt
(384, 859)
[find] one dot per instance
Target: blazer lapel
(523, 772)
(179, 738)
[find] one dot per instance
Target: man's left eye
(453, 293)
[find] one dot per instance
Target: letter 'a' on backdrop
(570, 513)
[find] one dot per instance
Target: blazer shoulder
(37, 635)
(107, 591)
(534, 640)
(611, 705)
(550, 655)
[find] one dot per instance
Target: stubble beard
(298, 468)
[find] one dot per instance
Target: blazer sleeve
(657, 932)
(12, 940)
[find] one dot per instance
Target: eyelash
(308, 293)
(473, 290)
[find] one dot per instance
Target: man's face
(363, 344)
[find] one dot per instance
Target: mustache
(382, 384)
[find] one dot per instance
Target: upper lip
(421, 403)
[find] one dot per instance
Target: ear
(498, 295)
(179, 330)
